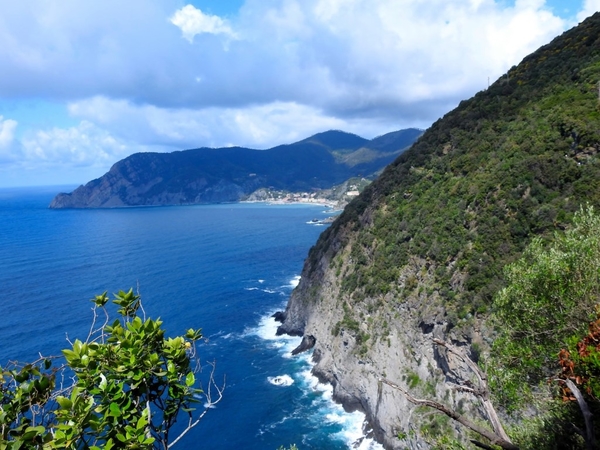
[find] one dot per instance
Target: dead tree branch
(213, 395)
(590, 438)
(493, 437)
(483, 392)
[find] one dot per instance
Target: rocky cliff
(230, 174)
(420, 253)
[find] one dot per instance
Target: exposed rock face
(231, 174)
(407, 354)
(308, 342)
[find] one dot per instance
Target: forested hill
(422, 249)
(513, 161)
(207, 175)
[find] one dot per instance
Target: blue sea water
(223, 268)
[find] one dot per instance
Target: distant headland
(328, 167)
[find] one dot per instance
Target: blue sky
(85, 84)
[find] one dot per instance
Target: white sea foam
(281, 380)
(267, 330)
(294, 281)
(324, 409)
(352, 424)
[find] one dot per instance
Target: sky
(84, 84)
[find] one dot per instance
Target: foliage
(551, 429)
(581, 361)
(513, 162)
(551, 294)
(129, 385)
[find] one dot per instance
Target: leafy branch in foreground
(124, 387)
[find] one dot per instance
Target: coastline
(334, 205)
(355, 428)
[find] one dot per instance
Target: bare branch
(493, 437)
(474, 367)
(590, 438)
(483, 392)
(463, 388)
(140, 296)
(210, 403)
(100, 330)
(482, 445)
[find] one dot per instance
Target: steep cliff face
(420, 253)
(358, 343)
(229, 174)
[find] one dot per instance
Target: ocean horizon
(225, 268)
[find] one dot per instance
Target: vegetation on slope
(548, 325)
(516, 160)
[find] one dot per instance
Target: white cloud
(193, 21)
(258, 126)
(82, 145)
(351, 57)
(7, 131)
(10, 150)
(289, 68)
(589, 8)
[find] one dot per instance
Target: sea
(224, 268)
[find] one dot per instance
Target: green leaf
(64, 402)
(114, 410)
(190, 379)
(100, 300)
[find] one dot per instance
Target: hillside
(420, 253)
(208, 175)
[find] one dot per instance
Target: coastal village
(335, 198)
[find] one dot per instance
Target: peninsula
(232, 174)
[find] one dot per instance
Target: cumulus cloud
(7, 131)
(62, 155)
(352, 57)
(276, 71)
(82, 145)
(589, 8)
(9, 147)
(258, 126)
(193, 21)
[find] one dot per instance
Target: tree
(551, 295)
(124, 387)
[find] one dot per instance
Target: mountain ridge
(229, 174)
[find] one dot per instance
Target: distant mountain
(207, 175)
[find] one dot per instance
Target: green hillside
(514, 161)
(231, 174)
